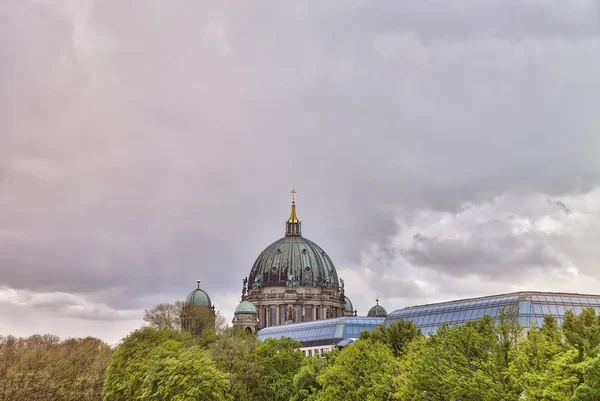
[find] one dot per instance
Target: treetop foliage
(46, 368)
(483, 360)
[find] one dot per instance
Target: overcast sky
(439, 150)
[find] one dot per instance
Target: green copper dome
(293, 261)
(377, 311)
(198, 297)
(348, 307)
(245, 307)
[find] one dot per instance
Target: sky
(440, 150)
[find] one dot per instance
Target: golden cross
(293, 192)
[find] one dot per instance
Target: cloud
(144, 146)
(66, 305)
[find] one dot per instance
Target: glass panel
(545, 309)
(562, 309)
(444, 317)
(524, 307)
(556, 309)
(524, 321)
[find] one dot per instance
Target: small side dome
(198, 297)
(377, 310)
(348, 307)
(245, 307)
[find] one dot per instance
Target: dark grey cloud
(501, 257)
(144, 145)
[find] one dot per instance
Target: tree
(582, 332)
(183, 374)
(467, 362)
(543, 365)
(590, 389)
(233, 352)
(129, 363)
(305, 384)
(47, 368)
(182, 316)
(362, 371)
(277, 362)
(397, 336)
(165, 316)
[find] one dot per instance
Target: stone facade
(281, 305)
(247, 321)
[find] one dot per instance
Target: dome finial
(198, 281)
(293, 217)
(377, 300)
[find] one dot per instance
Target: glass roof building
(532, 307)
(322, 332)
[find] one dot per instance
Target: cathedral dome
(348, 307)
(293, 261)
(377, 311)
(245, 307)
(198, 297)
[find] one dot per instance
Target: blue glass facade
(532, 307)
(322, 332)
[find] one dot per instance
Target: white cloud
(561, 235)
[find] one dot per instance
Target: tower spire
(293, 223)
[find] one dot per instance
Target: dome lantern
(377, 310)
(293, 224)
